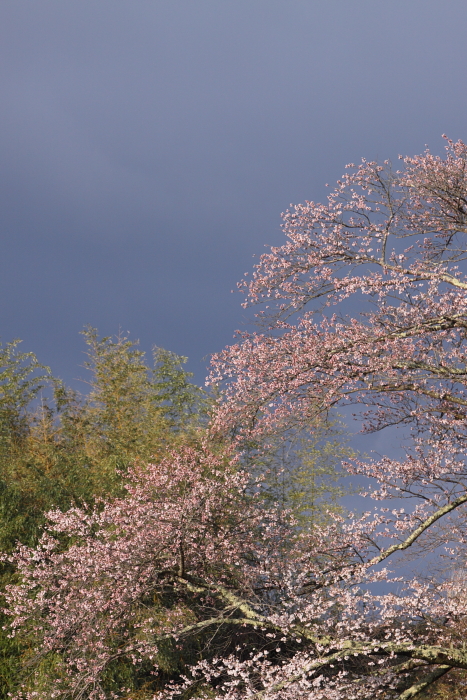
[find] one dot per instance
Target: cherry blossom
(366, 305)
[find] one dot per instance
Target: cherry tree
(364, 305)
(128, 581)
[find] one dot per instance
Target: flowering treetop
(364, 302)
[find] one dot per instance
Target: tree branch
(419, 531)
(417, 688)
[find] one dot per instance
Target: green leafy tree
(22, 378)
(59, 448)
(133, 412)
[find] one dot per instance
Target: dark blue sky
(148, 147)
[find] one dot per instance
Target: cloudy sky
(148, 147)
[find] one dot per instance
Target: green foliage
(62, 448)
(121, 419)
(21, 379)
(133, 411)
(180, 400)
(303, 472)
(59, 448)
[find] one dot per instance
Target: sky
(148, 147)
